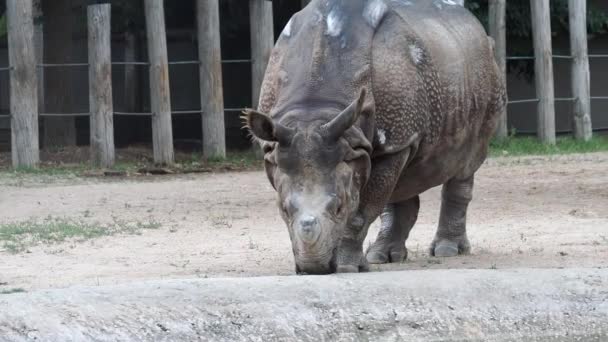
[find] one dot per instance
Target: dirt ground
(527, 212)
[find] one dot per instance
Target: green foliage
(531, 146)
(519, 27)
(519, 24)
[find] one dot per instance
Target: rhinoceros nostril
(308, 222)
(309, 227)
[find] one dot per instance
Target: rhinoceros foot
(450, 247)
(350, 258)
(383, 252)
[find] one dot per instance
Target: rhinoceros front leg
(374, 197)
(397, 221)
(451, 237)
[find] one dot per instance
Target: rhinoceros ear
(263, 128)
(336, 127)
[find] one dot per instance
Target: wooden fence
(24, 108)
(543, 58)
(23, 65)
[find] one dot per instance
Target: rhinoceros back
(428, 64)
(434, 74)
(321, 59)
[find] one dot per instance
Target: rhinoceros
(366, 104)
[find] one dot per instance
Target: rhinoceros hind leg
(451, 237)
(397, 221)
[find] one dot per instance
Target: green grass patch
(55, 170)
(242, 160)
(11, 291)
(17, 237)
(132, 166)
(521, 146)
(132, 162)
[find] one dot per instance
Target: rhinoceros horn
(264, 128)
(336, 127)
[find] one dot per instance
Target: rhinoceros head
(318, 169)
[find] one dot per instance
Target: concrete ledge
(444, 305)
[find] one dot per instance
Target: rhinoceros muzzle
(316, 266)
(309, 229)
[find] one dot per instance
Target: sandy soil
(527, 212)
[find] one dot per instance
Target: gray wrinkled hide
(434, 95)
(489, 305)
(434, 84)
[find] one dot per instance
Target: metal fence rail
(557, 99)
(127, 63)
(237, 61)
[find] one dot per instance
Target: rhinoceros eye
(339, 208)
(287, 206)
(268, 147)
(336, 205)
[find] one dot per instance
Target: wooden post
(160, 95)
(23, 83)
(581, 91)
(543, 66)
(212, 97)
(39, 45)
(262, 42)
(498, 33)
(100, 85)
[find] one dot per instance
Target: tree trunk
(58, 131)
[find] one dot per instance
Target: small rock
(415, 325)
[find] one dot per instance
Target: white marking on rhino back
(287, 29)
(416, 53)
(381, 136)
(334, 24)
(318, 17)
(374, 12)
(454, 2)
